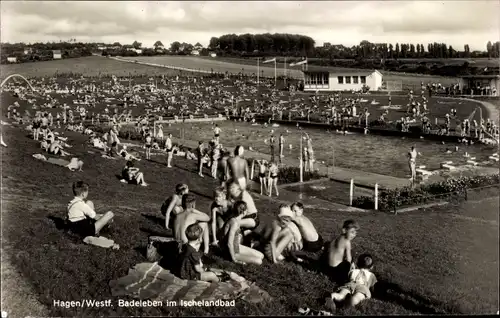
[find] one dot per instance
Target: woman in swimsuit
(231, 242)
(273, 178)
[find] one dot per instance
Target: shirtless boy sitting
(173, 204)
(312, 241)
(220, 212)
(285, 236)
(339, 257)
(191, 216)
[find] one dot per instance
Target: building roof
(56, 51)
(492, 76)
(339, 70)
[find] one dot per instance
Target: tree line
(280, 44)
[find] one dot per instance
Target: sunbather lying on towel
(123, 152)
(57, 149)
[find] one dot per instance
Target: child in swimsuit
(220, 212)
(231, 242)
(149, 142)
(173, 204)
(262, 175)
(273, 178)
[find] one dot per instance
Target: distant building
(28, 50)
(327, 44)
(198, 47)
(101, 48)
(56, 54)
(12, 59)
(329, 79)
(138, 51)
(480, 84)
(213, 54)
(195, 52)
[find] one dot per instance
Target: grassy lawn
(439, 261)
(90, 66)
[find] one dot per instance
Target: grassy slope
(436, 261)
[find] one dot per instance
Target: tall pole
(285, 70)
(275, 73)
(258, 71)
(301, 160)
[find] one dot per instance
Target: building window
(313, 78)
(341, 79)
(348, 80)
(325, 78)
(355, 80)
(363, 79)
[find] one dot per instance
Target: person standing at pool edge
(412, 161)
(237, 168)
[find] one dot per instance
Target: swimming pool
(371, 153)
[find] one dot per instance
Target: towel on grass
(151, 281)
(72, 165)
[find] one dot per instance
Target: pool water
(371, 153)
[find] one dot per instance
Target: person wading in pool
(237, 168)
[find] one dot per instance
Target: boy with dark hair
(81, 215)
(339, 257)
(190, 266)
(312, 240)
(173, 204)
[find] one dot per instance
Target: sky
(339, 22)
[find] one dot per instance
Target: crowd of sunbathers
(232, 225)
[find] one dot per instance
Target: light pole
(301, 167)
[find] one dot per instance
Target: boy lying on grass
(191, 216)
(81, 215)
(361, 282)
(173, 204)
(132, 175)
(190, 266)
(231, 241)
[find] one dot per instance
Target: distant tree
(117, 44)
(489, 48)
(175, 47)
(451, 52)
(158, 44)
(397, 51)
(136, 45)
(391, 51)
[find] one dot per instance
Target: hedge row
(453, 187)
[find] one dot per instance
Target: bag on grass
(154, 243)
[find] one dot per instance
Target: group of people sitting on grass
(233, 230)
